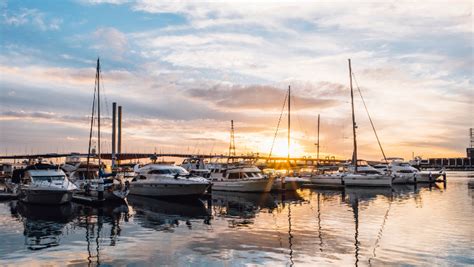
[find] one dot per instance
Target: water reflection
(43, 225)
(405, 224)
(164, 215)
(93, 220)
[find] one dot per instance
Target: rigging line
(104, 94)
(370, 119)
(298, 117)
(278, 125)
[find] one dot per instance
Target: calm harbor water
(406, 225)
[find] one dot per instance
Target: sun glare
(280, 148)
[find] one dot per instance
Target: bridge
(259, 160)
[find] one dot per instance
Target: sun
(280, 148)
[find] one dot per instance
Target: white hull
(241, 185)
(327, 180)
(167, 190)
(291, 183)
(367, 180)
(403, 179)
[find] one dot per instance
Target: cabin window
(163, 171)
(48, 178)
(234, 175)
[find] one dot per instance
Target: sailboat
(91, 179)
(325, 177)
(359, 172)
(288, 183)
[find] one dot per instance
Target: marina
(229, 133)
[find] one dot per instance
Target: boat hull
(44, 196)
(403, 179)
(367, 180)
(254, 185)
(327, 180)
(167, 190)
(290, 184)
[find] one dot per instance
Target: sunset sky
(183, 70)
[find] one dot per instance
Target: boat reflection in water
(404, 224)
(94, 220)
(43, 225)
(166, 214)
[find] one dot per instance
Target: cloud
(180, 82)
(110, 42)
(255, 97)
(31, 16)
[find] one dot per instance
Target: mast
(354, 126)
(98, 110)
(317, 153)
(289, 125)
(92, 126)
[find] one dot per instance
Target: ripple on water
(423, 225)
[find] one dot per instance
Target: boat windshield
(180, 171)
(48, 178)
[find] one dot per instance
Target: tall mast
(98, 110)
(92, 126)
(317, 153)
(289, 122)
(354, 126)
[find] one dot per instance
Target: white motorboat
(156, 180)
(239, 178)
(402, 171)
(366, 175)
(196, 166)
(45, 184)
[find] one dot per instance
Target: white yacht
(196, 166)
(366, 175)
(402, 171)
(239, 178)
(156, 180)
(328, 178)
(45, 184)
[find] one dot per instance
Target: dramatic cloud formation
(182, 70)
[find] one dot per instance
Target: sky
(183, 69)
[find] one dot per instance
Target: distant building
(470, 152)
(470, 149)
